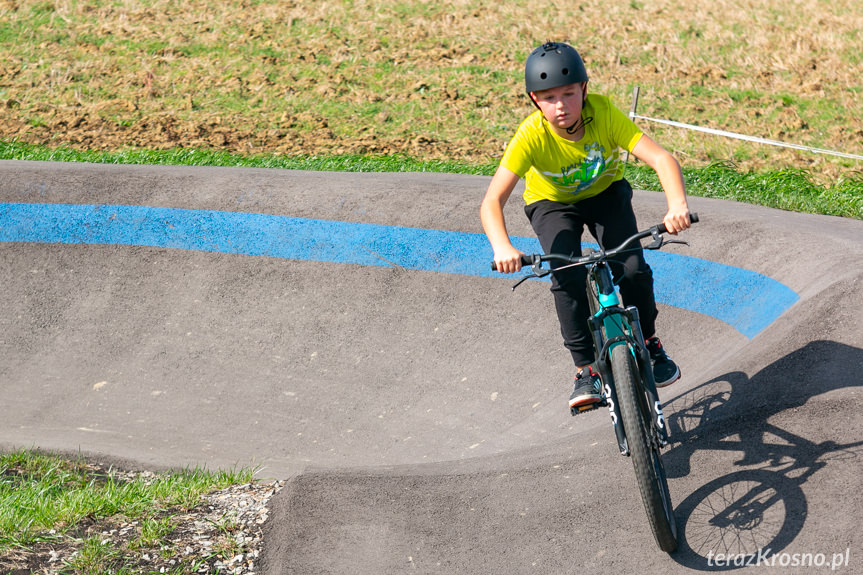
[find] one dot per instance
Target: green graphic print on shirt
(583, 175)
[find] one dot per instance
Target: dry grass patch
(438, 80)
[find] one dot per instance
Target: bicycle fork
(628, 333)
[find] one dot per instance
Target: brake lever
(537, 271)
(663, 242)
(659, 241)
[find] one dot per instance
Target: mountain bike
(623, 363)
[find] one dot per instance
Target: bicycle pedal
(579, 409)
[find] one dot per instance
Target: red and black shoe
(586, 392)
(665, 371)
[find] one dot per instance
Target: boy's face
(561, 106)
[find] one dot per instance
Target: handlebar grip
(526, 260)
(693, 219)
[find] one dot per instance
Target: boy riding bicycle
(569, 152)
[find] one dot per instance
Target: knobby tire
(592, 300)
(645, 454)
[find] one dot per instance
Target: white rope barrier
(757, 140)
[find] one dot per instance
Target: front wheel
(592, 298)
(646, 460)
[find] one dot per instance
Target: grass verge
(49, 500)
(790, 189)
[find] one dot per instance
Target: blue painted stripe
(746, 300)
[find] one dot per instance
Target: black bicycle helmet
(551, 65)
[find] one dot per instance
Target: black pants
(610, 219)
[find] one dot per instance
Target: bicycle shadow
(760, 506)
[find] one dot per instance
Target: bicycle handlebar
(693, 219)
(528, 260)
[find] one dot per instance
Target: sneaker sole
(674, 378)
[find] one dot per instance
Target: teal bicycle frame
(613, 325)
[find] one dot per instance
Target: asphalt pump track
(342, 332)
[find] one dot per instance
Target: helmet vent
(565, 71)
(543, 76)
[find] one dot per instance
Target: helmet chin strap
(579, 124)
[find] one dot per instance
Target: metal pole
(632, 110)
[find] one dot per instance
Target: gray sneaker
(665, 371)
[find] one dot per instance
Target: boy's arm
(671, 178)
(506, 257)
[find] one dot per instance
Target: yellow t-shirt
(557, 169)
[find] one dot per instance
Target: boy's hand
(677, 220)
(507, 259)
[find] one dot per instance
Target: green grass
(44, 496)
(201, 157)
(791, 189)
